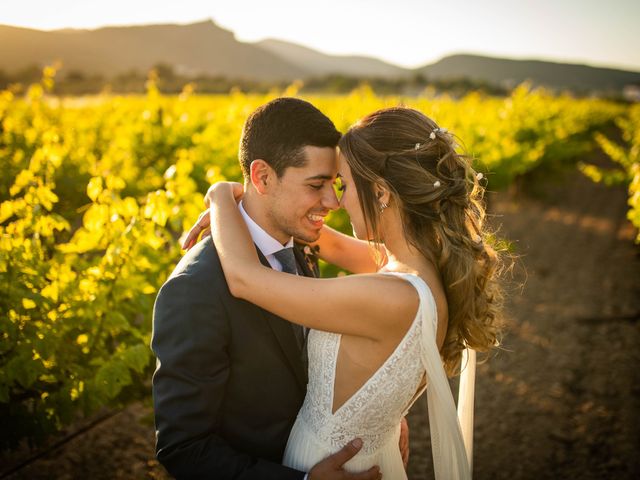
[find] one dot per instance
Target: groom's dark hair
(276, 132)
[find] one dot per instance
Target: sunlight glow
(406, 32)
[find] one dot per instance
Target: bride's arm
(370, 306)
(346, 252)
(356, 256)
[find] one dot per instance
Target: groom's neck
(257, 208)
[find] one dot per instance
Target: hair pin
(436, 184)
(417, 146)
(432, 135)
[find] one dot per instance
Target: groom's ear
(261, 175)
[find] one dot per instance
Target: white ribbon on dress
(450, 461)
(465, 400)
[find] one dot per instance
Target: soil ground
(561, 399)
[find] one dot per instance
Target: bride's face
(349, 200)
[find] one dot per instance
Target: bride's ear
(261, 175)
(383, 195)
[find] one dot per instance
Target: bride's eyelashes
(339, 187)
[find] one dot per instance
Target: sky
(409, 33)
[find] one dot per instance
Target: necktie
(288, 261)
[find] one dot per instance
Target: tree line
(75, 82)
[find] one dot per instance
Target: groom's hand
(331, 467)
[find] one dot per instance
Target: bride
(378, 340)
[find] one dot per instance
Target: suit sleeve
(190, 340)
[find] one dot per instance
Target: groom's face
(303, 196)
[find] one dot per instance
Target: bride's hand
(202, 223)
(236, 188)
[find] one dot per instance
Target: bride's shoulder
(372, 305)
(392, 290)
(426, 279)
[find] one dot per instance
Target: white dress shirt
(265, 242)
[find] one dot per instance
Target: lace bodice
(374, 412)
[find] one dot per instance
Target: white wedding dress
(374, 412)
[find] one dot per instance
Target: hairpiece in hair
(436, 130)
(436, 184)
(417, 146)
(479, 176)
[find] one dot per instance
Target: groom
(231, 377)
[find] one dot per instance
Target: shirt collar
(265, 242)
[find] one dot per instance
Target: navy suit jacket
(230, 376)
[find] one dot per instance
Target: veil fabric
(451, 445)
(465, 400)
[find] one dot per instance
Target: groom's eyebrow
(320, 177)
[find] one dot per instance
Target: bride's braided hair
(439, 196)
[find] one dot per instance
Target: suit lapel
(283, 331)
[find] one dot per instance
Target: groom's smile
(316, 220)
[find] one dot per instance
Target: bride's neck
(399, 251)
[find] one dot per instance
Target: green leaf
(94, 188)
(112, 377)
(23, 369)
(137, 357)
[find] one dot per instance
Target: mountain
(505, 72)
(320, 64)
(205, 48)
(199, 48)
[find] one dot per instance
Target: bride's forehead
(343, 166)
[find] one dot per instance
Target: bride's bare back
(359, 358)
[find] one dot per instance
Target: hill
(206, 49)
(319, 64)
(508, 73)
(199, 48)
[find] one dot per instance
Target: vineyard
(96, 192)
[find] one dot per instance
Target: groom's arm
(190, 340)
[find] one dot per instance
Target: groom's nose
(329, 198)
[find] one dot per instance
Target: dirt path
(562, 399)
(121, 447)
